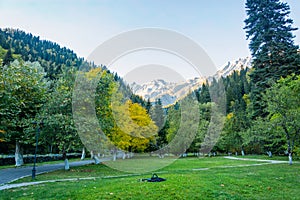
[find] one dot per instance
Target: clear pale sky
(82, 25)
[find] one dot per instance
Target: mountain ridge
(169, 92)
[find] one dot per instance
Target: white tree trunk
(18, 155)
(243, 153)
(290, 159)
(83, 154)
(92, 154)
(124, 155)
(115, 156)
(67, 166)
(96, 159)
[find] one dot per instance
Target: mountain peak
(167, 92)
(170, 92)
(235, 65)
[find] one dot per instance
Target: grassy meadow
(187, 178)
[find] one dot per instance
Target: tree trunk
(243, 153)
(67, 166)
(290, 158)
(114, 155)
(92, 154)
(96, 159)
(18, 155)
(83, 154)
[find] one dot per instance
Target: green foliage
(59, 130)
(173, 119)
(283, 106)
(183, 125)
(237, 122)
(279, 131)
(269, 29)
(8, 58)
(158, 116)
(202, 94)
(204, 120)
(23, 92)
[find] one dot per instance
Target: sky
(83, 25)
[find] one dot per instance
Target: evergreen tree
(271, 43)
(8, 58)
(157, 114)
(203, 95)
(148, 106)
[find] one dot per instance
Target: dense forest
(36, 82)
(251, 111)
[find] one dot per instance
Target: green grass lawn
(270, 181)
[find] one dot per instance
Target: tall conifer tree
(269, 29)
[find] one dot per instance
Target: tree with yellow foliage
(134, 128)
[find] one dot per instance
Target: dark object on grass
(154, 178)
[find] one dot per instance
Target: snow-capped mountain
(169, 92)
(232, 66)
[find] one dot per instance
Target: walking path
(11, 174)
(258, 160)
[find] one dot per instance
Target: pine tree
(203, 96)
(148, 106)
(271, 43)
(157, 114)
(8, 58)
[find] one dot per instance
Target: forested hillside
(50, 55)
(36, 84)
